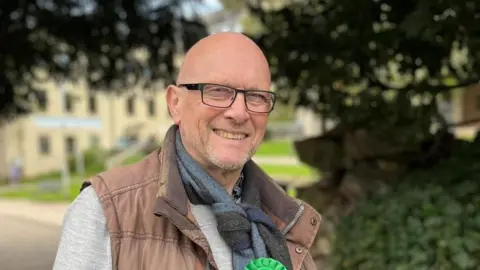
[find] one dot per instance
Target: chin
(228, 163)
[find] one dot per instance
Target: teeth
(229, 135)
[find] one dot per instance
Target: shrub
(431, 220)
(153, 145)
(94, 160)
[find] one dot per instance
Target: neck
(226, 178)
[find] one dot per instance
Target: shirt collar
(237, 189)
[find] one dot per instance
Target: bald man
(200, 202)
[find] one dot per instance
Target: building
(465, 111)
(70, 118)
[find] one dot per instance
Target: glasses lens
(260, 101)
(217, 95)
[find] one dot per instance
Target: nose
(238, 111)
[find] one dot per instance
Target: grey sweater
(85, 242)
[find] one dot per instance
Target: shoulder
(84, 209)
(123, 178)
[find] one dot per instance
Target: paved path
(29, 234)
(286, 160)
(26, 244)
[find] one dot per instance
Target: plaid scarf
(249, 232)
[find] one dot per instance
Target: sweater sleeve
(85, 241)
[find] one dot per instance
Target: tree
(377, 68)
(374, 46)
(375, 65)
(99, 40)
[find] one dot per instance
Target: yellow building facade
(69, 118)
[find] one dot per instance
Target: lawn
(38, 193)
(276, 148)
(301, 171)
(51, 192)
(38, 178)
(289, 171)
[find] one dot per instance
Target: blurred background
(375, 124)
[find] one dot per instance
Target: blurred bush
(431, 220)
(152, 145)
(94, 160)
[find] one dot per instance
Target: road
(27, 244)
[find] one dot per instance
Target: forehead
(243, 69)
(235, 75)
(240, 84)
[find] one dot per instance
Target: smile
(230, 135)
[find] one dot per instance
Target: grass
(276, 148)
(35, 179)
(279, 148)
(38, 193)
(290, 171)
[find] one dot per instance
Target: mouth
(230, 135)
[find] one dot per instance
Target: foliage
(93, 158)
(431, 220)
(375, 63)
(282, 113)
(112, 44)
(250, 24)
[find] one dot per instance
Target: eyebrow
(250, 87)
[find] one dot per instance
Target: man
(199, 202)
(16, 171)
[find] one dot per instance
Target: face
(220, 138)
(225, 138)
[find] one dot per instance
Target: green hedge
(94, 160)
(431, 220)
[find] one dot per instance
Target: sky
(206, 7)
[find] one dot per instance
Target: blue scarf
(249, 232)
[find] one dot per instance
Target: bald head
(207, 122)
(226, 58)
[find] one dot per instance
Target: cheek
(200, 119)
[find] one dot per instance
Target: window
(131, 105)
(68, 103)
(151, 107)
(92, 104)
(67, 98)
(42, 100)
(44, 145)
(70, 145)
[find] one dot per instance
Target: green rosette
(265, 264)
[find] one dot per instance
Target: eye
(216, 91)
(260, 97)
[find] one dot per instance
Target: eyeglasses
(221, 96)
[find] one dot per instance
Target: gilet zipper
(297, 217)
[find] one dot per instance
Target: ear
(174, 102)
